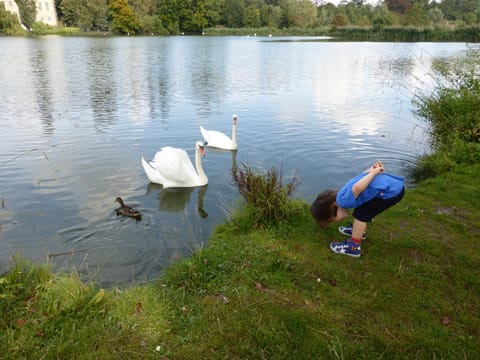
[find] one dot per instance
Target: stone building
(46, 12)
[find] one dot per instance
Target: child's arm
(362, 184)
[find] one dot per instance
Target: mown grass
(276, 293)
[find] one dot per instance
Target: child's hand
(377, 168)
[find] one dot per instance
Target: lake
(78, 113)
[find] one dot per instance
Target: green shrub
(452, 111)
(267, 197)
(432, 165)
(453, 108)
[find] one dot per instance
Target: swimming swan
(171, 167)
(219, 140)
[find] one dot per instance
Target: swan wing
(216, 139)
(152, 174)
(204, 133)
(174, 167)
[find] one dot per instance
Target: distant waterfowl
(219, 140)
(171, 167)
(126, 210)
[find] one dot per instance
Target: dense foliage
(27, 11)
(195, 16)
(452, 110)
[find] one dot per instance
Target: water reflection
(100, 73)
(160, 83)
(176, 199)
(41, 81)
(207, 69)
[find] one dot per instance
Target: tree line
(164, 17)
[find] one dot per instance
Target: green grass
(276, 293)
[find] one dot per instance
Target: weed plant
(267, 198)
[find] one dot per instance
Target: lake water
(77, 115)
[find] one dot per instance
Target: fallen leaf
(446, 320)
(333, 282)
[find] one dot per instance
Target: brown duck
(126, 210)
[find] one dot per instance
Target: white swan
(219, 140)
(171, 167)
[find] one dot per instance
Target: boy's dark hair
(324, 207)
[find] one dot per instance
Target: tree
(234, 13)
(270, 15)
(213, 11)
(299, 13)
(382, 17)
(252, 17)
(28, 12)
(435, 16)
(122, 18)
(325, 14)
(339, 20)
(88, 15)
(58, 9)
(415, 16)
(470, 18)
(398, 6)
(143, 8)
(194, 16)
(169, 14)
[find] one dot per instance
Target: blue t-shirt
(383, 185)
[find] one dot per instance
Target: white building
(11, 6)
(46, 12)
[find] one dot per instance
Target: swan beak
(202, 150)
(234, 119)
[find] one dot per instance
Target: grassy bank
(348, 33)
(277, 293)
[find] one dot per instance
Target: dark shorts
(372, 208)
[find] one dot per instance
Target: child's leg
(359, 228)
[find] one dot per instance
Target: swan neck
(234, 134)
(199, 167)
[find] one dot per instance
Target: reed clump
(267, 195)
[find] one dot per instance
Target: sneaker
(347, 230)
(346, 248)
